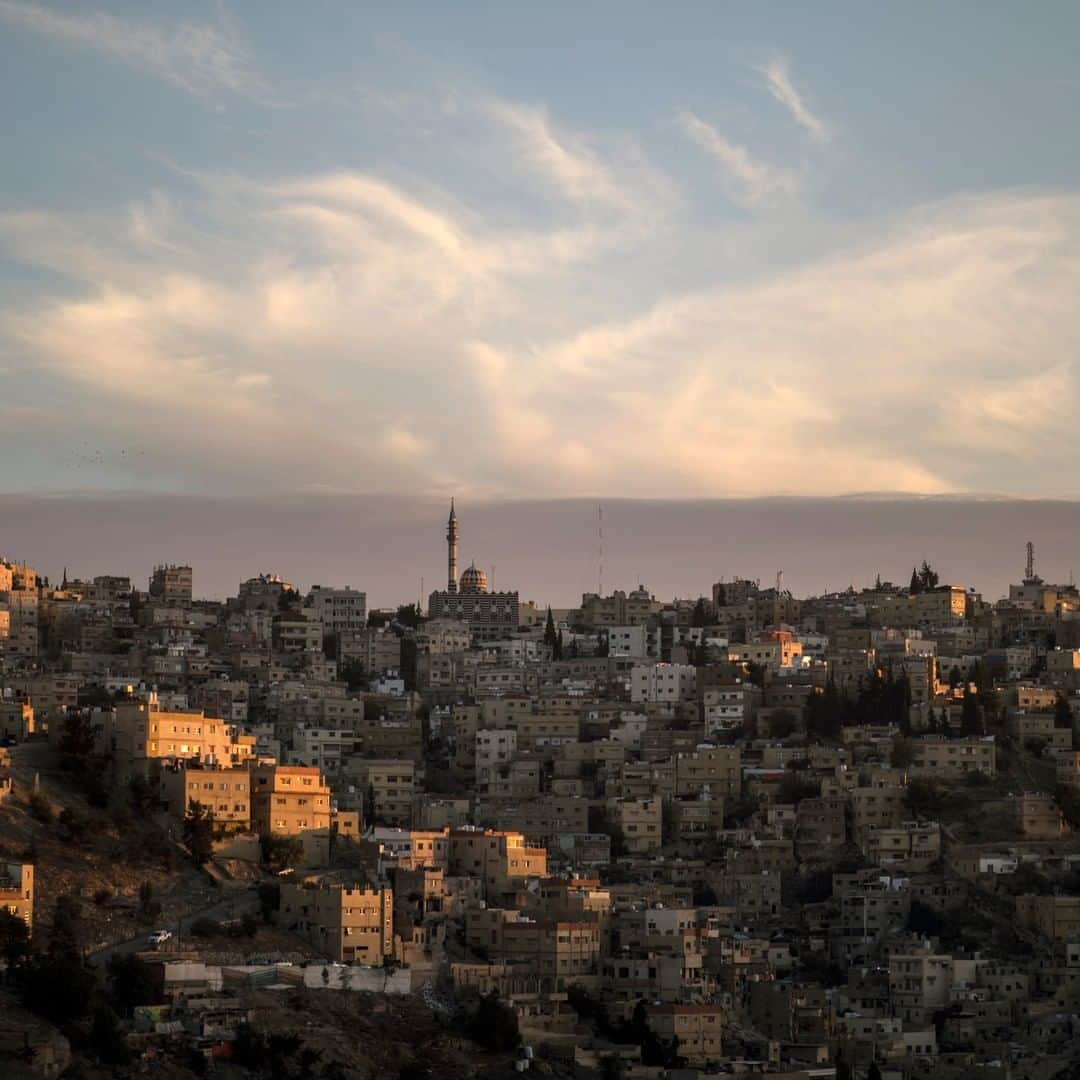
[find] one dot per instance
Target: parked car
(159, 937)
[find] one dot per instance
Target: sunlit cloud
(197, 57)
(749, 180)
(781, 87)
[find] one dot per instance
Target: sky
(394, 548)
(519, 251)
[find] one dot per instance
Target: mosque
(489, 615)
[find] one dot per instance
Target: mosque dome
(473, 581)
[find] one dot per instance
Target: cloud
(194, 56)
(750, 181)
(568, 162)
(345, 331)
(781, 87)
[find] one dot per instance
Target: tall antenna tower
(779, 581)
(600, 550)
(1030, 575)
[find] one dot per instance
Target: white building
(339, 610)
(663, 682)
(322, 747)
(729, 707)
(628, 641)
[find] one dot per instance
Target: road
(230, 907)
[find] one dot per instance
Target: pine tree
(915, 587)
(550, 636)
(1062, 712)
(558, 652)
(971, 722)
(700, 616)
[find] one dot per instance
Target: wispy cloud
(575, 169)
(781, 87)
(750, 181)
(197, 57)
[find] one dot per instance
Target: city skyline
(506, 254)
(547, 550)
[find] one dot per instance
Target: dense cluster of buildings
(757, 823)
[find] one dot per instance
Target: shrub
(41, 808)
(205, 927)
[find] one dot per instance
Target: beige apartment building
(225, 792)
(140, 732)
(1068, 768)
(941, 607)
(288, 799)
(915, 844)
(1056, 917)
(639, 820)
(699, 1029)
(16, 719)
(390, 783)
(717, 770)
(502, 860)
(171, 583)
(348, 923)
(17, 891)
(564, 951)
(920, 984)
(1039, 816)
(618, 609)
(951, 759)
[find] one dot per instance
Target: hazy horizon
(547, 549)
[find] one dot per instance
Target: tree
(353, 674)
(493, 1024)
(903, 753)
(782, 723)
(409, 615)
(74, 828)
(66, 932)
(550, 636)
(928, 577)
(149, 907)
(129, 982)
(1063, 717)
(916, 586)
(924, 800)
(874, 1072)
(971, 720)
(107, 1040)
(14, 939)
(77, 739)
(269, 899)
(793, 789)
(280, 852)
(700, 616)
(40, 808)
(755, 673)
(558, 654)
(198, 833)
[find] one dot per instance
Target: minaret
(451, 544)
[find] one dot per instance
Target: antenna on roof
(600, 550)
(779, 581)
(1030, 575)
